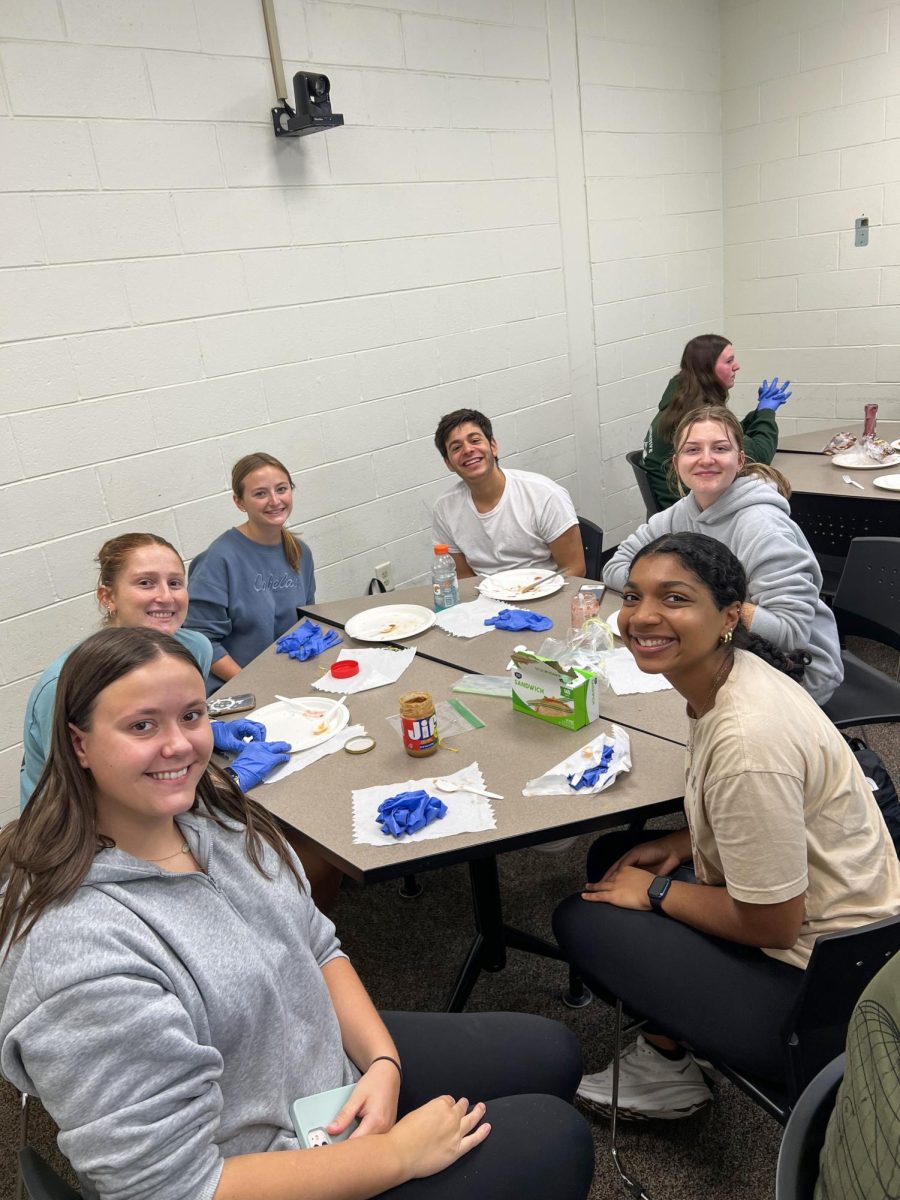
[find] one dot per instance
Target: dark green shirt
(760, 443)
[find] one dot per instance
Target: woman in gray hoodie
(745, 506)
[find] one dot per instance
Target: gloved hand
(228, 736)
(257, 760)
(592, 774)
(306, 641)
(408, 812)
(773, 395)
(517, 619)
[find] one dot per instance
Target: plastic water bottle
(443, 580)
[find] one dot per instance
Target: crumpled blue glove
(257, 760)
(306, 641)
(407, 812)
(592, 774)
(228, 736)
(517, 619)
(773, 395)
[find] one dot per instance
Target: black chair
(867, 604)
(804, 1135)
(636, 457)
(41, 1181)
(830, 523)
(592, 540)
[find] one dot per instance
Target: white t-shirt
(778, 807)
(532, 512)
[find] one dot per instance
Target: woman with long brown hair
(709, 368)
(247, 585)
(168, 987)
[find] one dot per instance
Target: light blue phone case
(316, 1112)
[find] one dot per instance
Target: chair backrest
(841, 966)
(804, 1135)
(636, 457)
(41, 1181)
(830, 524)
(592, 540)
(867, 600)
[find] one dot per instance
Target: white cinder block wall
(811, 116)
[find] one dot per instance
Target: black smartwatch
(657, 892)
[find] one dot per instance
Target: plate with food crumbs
(390, 623)
(306, 722)
(512, 585)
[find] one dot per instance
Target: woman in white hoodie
(745, 506)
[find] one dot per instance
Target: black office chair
(636, 458)
(41, 1181)
(867, 604)
(830, 523)
(592, 540)
(804, 1135)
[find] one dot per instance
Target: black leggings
(726, 1001)
(526, 1070)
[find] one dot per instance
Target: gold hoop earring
(725, 639)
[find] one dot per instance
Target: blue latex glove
(307, 641)
(592, 774)
(773, 395)
(228, 736)
(408, 812)
(257, 760)
(517, 619)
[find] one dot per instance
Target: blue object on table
(408, 812)
(517, 619)
(257, 760)
(773, 395)
(228, 736)
(592, 774)
(306, 641)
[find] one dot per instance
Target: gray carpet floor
(408, 953)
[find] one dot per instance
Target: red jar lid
(345, 668)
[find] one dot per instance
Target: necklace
(718, 680)
(185, 849)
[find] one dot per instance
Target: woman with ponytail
(246, 588)
(706, 931)
(745, 505)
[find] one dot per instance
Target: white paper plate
(895, 445)
(303, 730)
(391, 623)
(613, 622)
(890, 483)
(507, 585)
(857, 460)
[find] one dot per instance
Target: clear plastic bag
(585, 647)
(485, 685)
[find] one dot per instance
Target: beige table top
(812, 443)
(511, 749)
(816, 474)
(658, 713)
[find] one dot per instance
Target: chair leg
(23, 1142)
(634, 1187)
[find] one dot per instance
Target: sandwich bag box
(564, 696)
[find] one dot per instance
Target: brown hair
(462, 416)
(113, 555)
(725, 417)
(697, 382)
(46, 854)
(293, 551)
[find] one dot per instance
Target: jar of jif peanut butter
(418, 723)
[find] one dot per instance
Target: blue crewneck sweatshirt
(245, 595)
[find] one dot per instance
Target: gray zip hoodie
(754, 521)
(167, 1021)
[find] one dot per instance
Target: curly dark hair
(722, 574)
(462, 416)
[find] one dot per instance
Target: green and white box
(564, 696)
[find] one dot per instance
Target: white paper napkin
(298, 761)
(466, 813)
(376, 668)
(556, 781)
(467, 620)
(626, 678)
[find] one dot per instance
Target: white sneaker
(650, 1085)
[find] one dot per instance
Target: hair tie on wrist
(386, 1058)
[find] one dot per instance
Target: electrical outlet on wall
(384, 573)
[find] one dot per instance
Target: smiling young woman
(784, 841)
(745, 505)
(168, 987)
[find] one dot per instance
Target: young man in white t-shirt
(494, 520)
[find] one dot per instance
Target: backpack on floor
(881, 784)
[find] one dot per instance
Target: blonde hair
(293, 551)
(723, 416)
(112, 558)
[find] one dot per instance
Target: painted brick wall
(811, 115)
